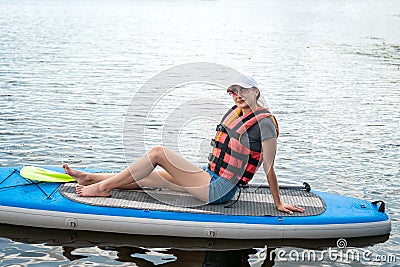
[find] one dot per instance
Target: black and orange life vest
(232, 157)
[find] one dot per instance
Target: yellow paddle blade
(43, 175)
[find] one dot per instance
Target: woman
(245, 131)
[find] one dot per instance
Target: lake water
(71, 72)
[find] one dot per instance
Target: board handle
(381, 206)
(305, 186)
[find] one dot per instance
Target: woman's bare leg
(157, 179)
(183, 174)
(86, 178)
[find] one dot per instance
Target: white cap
(245, 81)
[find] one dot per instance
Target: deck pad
(252, 202)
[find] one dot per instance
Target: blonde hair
(259, 103)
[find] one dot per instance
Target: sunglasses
(235, 91)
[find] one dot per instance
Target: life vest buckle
(220, 128)
(213, 143)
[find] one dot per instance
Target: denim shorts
(221, 190)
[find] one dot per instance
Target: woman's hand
(289, 208)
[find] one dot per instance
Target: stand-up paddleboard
(25, 200)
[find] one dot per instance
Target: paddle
(44, 175)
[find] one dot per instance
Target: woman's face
(243, 97)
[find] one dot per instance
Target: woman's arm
(269, 151)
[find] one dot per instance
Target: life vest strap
(241, 125)
(224, 165)
(227, 150)
(220, 128)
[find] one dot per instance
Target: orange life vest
(232, 156)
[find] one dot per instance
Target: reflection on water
(103, 249)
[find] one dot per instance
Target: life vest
(232, 157)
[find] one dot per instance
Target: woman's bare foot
(93, 190)
(81, 178)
